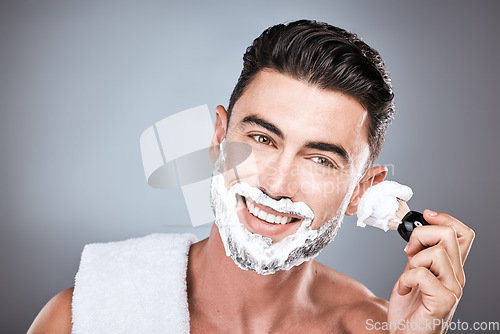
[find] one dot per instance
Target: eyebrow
(265, 124)
(321, 146)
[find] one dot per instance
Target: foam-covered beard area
(252, 251)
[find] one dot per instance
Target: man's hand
(427, 293)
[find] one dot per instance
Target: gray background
(81, 80)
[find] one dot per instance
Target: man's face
(308, 145)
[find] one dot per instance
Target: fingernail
(431, 213)
(406, 248)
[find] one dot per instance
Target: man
(312, 106)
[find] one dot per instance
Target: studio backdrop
(80, 81)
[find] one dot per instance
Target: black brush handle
(410, 221)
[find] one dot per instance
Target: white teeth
(255, 211)
(268, 217)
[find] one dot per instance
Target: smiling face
(309, 146)
(305, 151)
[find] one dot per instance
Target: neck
(214, 280)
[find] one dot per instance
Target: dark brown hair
(329, 57)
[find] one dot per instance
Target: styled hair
(330, 58)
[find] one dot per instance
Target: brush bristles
(403, 209)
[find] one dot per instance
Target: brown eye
(323, 162)
(262, 139)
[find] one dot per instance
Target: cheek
(325, 199)
(239, 163)
(324, 208)
(241, 170)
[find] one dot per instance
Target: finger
(464, 233)
(436, 298)
(427, 236)
(436, 259)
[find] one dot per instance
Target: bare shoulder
(352, 306)
(55, 316)
(364, 315)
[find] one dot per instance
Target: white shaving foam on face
(252, 251)
(379, 204)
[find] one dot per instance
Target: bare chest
(218, 322)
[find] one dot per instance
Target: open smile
(267, 214)
(258, 214)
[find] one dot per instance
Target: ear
(372, 177)
(219, 132)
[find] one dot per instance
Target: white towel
(133, 286)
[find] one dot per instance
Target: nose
(278, 177)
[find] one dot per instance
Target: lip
(259, 226)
